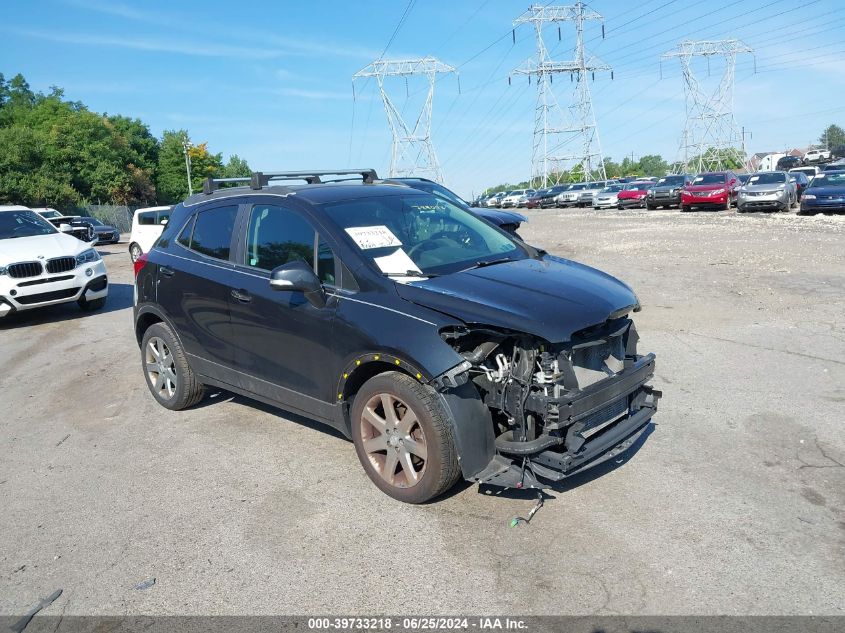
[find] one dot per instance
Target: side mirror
(163, 221)
(298, 276)
(65, 228)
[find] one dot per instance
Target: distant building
(767, 161)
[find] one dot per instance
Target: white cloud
(182, 47)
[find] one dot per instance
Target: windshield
(637, 186)
(93, 221)
(770, 178)
(671, 180)
(709, 179)
(829, 179)
(23, 224)
(417, 236)
(612, 189)
(51, 213)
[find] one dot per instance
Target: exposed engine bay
(556, 408)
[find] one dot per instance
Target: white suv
(41, 266)
(816, 156)
(147, 225)
(516, 198)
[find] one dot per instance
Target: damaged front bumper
(596, 425)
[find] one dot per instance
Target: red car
(711, 190)
(633, 194)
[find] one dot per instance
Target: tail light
(140, 263)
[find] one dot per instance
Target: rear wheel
(169, 376)
(135, 252)
(403, 438)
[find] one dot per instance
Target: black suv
(439, 344)
(785, 163)
(666, 192)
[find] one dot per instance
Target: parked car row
(768, 190)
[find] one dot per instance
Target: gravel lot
(733, 504)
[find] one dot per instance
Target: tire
(135, 252)
(433, 466)
(686, 208)
(179, 388)
(650, 207)
(90, 306)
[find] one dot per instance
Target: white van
(147, 225)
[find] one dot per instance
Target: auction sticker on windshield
(367, 237)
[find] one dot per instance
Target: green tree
(171, 179)
(653, 165)
(56, 152)
(171, 175)
(833, 136)
(236, 167)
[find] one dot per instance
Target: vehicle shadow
(215, 395)
(575, 481)
(120, 297)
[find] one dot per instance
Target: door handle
(241, 295)
(166, 271)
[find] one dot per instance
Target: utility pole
(562, 140)
(186, 145)
(711, 134)
(412, 152)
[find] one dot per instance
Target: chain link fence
(118, 216)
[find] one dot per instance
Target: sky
(271, 80)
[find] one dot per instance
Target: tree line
(56, 152)
(832, 138)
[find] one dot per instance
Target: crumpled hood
(499, 218)
(29, 249)
(551, 298)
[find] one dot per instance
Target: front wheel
(686, 208)
(403, 438)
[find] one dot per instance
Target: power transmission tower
(412, 153)
(563, 140)
(711, 139)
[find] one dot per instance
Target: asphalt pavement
(734, 502)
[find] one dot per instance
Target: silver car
(767, 190)
(608, 197)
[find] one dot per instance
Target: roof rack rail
(262, 179)
(209, 185)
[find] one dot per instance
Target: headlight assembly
(87, 256)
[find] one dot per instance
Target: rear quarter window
(212, 232)
(147, 218)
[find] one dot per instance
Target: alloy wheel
(393, 440)
(161, 368)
